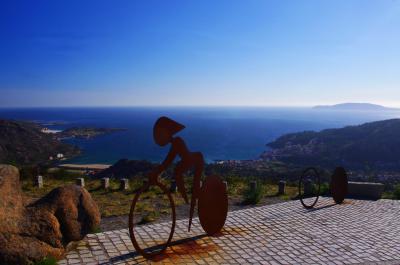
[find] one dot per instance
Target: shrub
(149, 218)
(28, 172)
(96, 230)
(253, 196)
(63, 174)
(47, 261)
(325, 189)
(396, 192)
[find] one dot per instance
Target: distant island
(354, 106)
(374, 144)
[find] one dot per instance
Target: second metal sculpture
(338, 186)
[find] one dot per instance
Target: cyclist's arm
(167, 161)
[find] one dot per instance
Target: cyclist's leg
(198, 171)
(178, 175)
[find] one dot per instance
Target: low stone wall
(365, 190)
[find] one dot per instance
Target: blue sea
(220, 133)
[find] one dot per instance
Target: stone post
(281, 187)
(253, 186)
(173, 188)
(124, 184)
(226, 185)
(80, 182)
(308, 187)
(39, 181)
(105, 183)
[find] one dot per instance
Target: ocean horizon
(220, 133)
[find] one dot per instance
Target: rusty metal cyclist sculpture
(211, 196)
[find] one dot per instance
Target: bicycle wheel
(311, 183)
(213, 205)
(339, 184)
(150, 251)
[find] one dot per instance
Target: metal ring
(319, 187)
(141, 251)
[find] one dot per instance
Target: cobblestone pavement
(355, 232)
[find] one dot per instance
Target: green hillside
(374, 144)
(23, 143)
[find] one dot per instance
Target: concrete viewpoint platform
(355, 232)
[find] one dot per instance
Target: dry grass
(115, 202)
(111, 202)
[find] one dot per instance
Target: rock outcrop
(31, 233)
(74, 209)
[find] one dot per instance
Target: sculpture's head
(164, 129)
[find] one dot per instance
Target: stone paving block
(355, 232)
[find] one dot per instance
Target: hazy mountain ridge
(374, 144)
(354, 106)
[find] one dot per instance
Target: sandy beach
(84, 166)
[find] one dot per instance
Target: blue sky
(272, 53)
